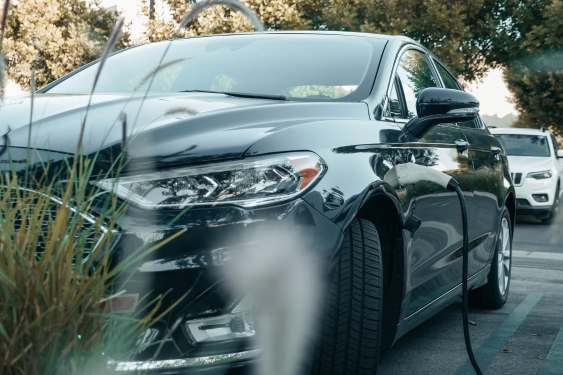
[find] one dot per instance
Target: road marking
(536, 255)
(494, 343)
(554, 360)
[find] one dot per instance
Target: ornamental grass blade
(3, 24)
(2, 76)
(110, 46)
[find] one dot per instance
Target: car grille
(517, 178)
(88, 233)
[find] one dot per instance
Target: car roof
(317, 32)
(524, 131)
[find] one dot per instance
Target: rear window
(525, 145)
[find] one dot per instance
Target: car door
(433, 258)
(486, 182)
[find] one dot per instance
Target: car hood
(526, 164)
(165, 127)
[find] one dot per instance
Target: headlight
(248, 183)
(540, 175)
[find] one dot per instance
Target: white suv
(536, 166)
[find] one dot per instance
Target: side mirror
(436, 106)
(559, 154)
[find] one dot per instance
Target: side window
(415, 75)
(395, 105)
(449, 81)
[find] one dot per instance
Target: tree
(535, 69)
(464, 34)
(276, 14)
(54, 37)
(461, 33)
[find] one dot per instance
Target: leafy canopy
(535, 70)
(54, 37)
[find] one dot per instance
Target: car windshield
(293, 66)
(525, 145)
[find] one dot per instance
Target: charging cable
(410, 173)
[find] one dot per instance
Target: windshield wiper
(242, 94)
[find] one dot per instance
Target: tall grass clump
(57, 268)
(54, 276)
(58, 264)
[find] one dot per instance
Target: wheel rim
(504, 256)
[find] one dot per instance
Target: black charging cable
(411, 173)
(454, 185)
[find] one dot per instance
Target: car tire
(494, 294)
(350, 336)
(554, 209)
(547, 220)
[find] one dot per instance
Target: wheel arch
(383, 209)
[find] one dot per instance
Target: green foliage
(57, 272)
(535, 71)
(464, 34)
(461, 33)
(50, 306)
(54, 37)
(275, 14)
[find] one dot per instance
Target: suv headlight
(247, 183)
(543, 175)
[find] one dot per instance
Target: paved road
(538, 245)
(531, 235)
(523, 338)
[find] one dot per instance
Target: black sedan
(310, 143)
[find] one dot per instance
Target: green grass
(56, 274)
(57, 263)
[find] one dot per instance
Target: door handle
(462, 146)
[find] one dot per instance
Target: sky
(491, 91)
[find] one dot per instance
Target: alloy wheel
(504, 256)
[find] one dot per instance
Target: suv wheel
(554, 209)
(351, 333)
(494, 294)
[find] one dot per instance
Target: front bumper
(523, 207)
(189, 269)
(230, 363)
(528, 196)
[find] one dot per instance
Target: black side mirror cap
(438, 106)
(438, 101)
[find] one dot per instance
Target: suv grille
(89, 233)
(517, 178)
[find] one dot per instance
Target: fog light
(238, 324)
(541, 198)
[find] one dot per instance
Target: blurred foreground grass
(56, 273)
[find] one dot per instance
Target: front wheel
(554, 209)
(351, 326)
(494, 294)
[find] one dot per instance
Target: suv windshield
(300, 66)
(525, 145)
